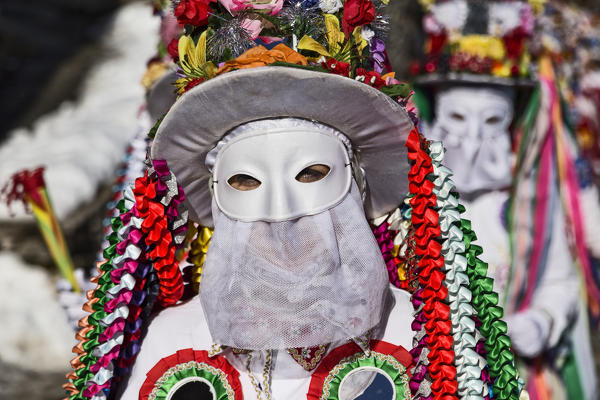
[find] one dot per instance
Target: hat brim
(377, 126)
(161, 95)
(472, 79)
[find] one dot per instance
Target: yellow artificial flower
(538, 5)
(192, 58)
(501, 69)
(482, 46)
(525, 63)
(153, 73)
(426, 4)
(335, 40)
(193, 63)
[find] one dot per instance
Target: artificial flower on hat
(479, 38)
(223, 31)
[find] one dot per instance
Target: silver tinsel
(381, 26)
(231, 35)
(309, 19)
(379, 5)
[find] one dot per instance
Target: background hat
(475, 43)
(246, 60)
(161, 95)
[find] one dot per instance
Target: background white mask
(473, 124)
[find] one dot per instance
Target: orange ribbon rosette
(259, 57)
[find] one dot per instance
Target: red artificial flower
(357, 13)
(337, 67)
(173, 49)
(513, 42)
(437, 43)
(514, 70)
(193, 83)
(414, 68)
(430, 67)
(371, 78)
(193, 12)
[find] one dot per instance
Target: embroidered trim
(304, 357)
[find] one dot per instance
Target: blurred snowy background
(70, 95)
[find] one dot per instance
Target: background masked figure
(477, 93)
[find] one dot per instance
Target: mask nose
(280, 200)
(472, 141)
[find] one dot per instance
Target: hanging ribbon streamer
(140, 270)
(29, 187)
(546, 165)
(434, 373)
(393, 233)
(468, 363)
(196, 257)
(500, 359)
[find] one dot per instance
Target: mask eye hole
(457, 116)
(313, 173)
(243, 182)
(493, 120)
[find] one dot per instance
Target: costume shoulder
(398, 328)
(172, 330)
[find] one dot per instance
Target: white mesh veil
(299, 283)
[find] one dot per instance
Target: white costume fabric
(554, 304)
(186, 327)
(313, 278)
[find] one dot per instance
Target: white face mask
(266, 173)
(473, 125)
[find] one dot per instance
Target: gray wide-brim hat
(377, 126)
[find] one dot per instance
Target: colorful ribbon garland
(500, 359)
(140, 268)
(468, 363)
(434, 375)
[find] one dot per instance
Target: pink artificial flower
(169, 28)
(252, 26)
(391, 81)
(432, 26)
(272, 6)
(229, 5)
(527, 19)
